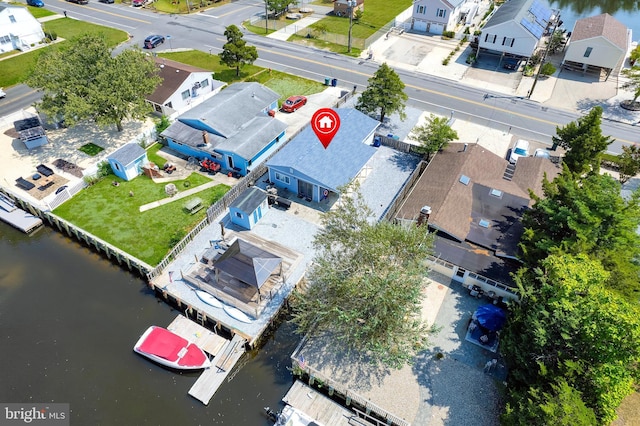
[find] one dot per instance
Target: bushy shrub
(448, 34)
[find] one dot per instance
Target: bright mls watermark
(40, 414)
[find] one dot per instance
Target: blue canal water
(625, 11)
(68, 322)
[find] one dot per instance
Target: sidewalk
(318, 13)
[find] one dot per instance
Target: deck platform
(319, 407)
(16, 217)
(226, 354)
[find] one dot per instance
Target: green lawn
(152, 155)
(91, 149)
(283, 84)
(110, 213)
(16, 69)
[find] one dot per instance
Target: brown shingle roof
(173, 74)
(452, 202)
(603, 25)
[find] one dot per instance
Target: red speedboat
(171, 350)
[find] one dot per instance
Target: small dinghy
(169, 349)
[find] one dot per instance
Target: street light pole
(544, 56)
(266, 17)
(351, 4)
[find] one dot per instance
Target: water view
(625, 11)
(69, 319)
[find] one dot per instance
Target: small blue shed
(249, 207)
(127, 161)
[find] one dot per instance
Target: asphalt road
(204, 31)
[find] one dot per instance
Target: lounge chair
(44, 170)
(24, 184)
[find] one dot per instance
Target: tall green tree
(583, 141)
(572, 327)
(633, 74)
(366, 284)
(629, 162)
(279, 6)
(586, 216)
(82, 80)
(434, 135)
(235, 52)
(384, 94)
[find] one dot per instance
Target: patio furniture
(24, 184)
(44, 170)
(194, 205)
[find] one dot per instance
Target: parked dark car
(79, 1)
(152, 41)
(511, 63)
(35, 3)
(106, 1)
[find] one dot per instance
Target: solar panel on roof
(541, 12)
(26, 123)
(533, 27)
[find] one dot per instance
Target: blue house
(249, 207)
(306, 168)
(232, 128)
(127, 161)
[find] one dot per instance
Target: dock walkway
(226, 354)
(319, 407)
(16, 217)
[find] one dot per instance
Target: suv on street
(152, 41)
(35, 3)
(79, 1)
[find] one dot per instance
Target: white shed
(597, 41)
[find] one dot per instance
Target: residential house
(183, 86)
(127, 161)
(233, 128)
(597, 42)
(341, 7)
(18, 29)
(246, 210)
(437, 16)
(516, 28)
(466, 197)
(306, 168)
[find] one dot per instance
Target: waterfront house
(306, 168)
(516, 28)
(18, 29)
(127, 161)
(249, 207)
(474, 202)
(234, 128)
(437, 16)
(183, 87)
(341, 7)
(597, 42)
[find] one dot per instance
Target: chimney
(205, 137)
(423, 218)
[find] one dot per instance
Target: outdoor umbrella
(490, 317)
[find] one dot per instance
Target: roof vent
(484, 223)
(423, 218)
(496, 193)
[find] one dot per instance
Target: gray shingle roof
(248, 263)
(603, 25)
(533, 15)
(127, 154)
(340, 162)
(249, 200)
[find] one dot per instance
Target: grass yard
(91, 149)
(152, 155)
(283, 84)
(109, 213)
(16, 69)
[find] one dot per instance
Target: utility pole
(351, 4)
(558, 22)
(266, 17)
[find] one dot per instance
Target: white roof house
(18, 29)
(598, 41)
(516, 27)
(437, 16)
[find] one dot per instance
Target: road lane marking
(75, 11)
(234, 11)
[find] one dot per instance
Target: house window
(490, 38)
(204, 83)
(5, 39)
(588, 52)
(185, 95)
(421, 9)
(441, 13)
(239, 215)
(117, 166)
(283, 178)
(496, 193)
(507, 41)
(12, 19)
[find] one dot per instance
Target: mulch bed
(45, 186)
(68, 167)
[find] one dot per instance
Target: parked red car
(293, 103)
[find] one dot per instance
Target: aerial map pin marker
(325, 124)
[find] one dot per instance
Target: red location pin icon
(325, 124)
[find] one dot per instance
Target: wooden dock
(319, 407)
(226, 354)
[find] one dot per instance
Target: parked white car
(2, 93)
(541, 152)
(520, 149)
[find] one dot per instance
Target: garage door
(435, 28)
(419, 26)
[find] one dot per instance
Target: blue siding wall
(241, 218)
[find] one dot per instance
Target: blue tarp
(490, 317)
